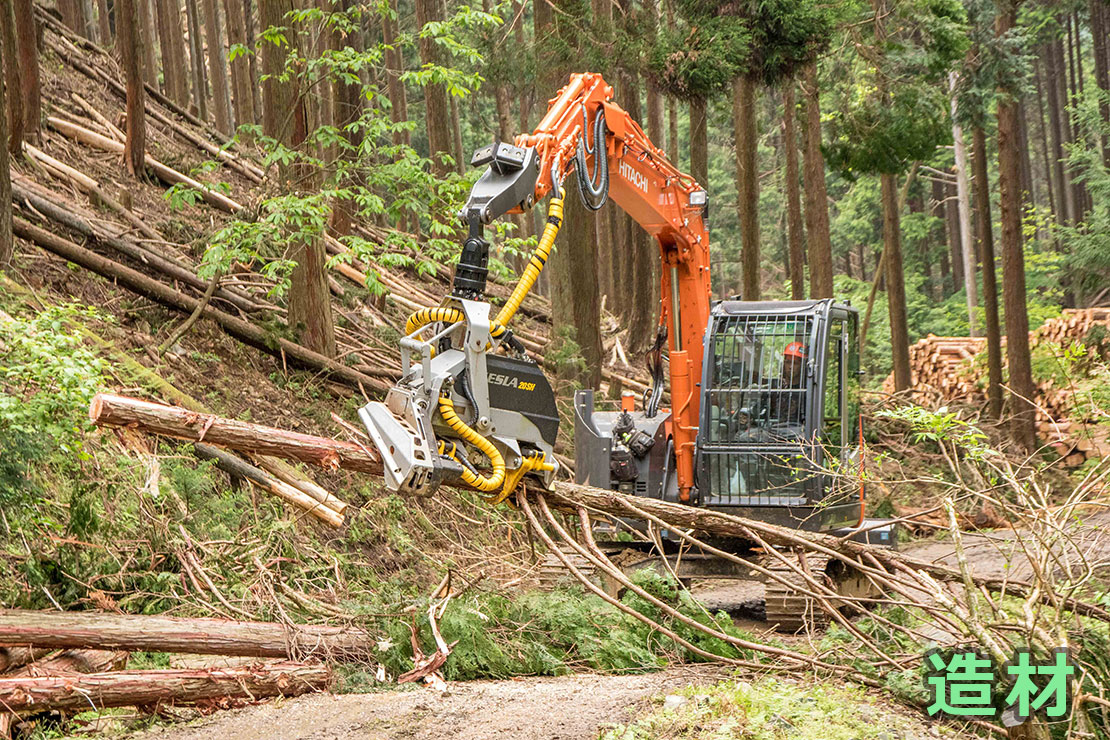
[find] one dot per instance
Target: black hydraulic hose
(593, 187)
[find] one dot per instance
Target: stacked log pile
(73, 662)
(949, 370)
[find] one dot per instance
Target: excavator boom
(666, 202)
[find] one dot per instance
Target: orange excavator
(764, 395)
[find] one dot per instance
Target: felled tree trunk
(72, 661)
(104, 631)
(145, 688)
(242, 330)
(108, 409)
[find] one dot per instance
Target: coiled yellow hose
(499, 326)
(486, 484)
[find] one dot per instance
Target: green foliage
(550, 633)
(47, 379)
(940, 426)
(701, 59)
(766, 708)
(1088, 242)
(896, 110)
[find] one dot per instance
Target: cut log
(81, 660)
(105, 631)
(91, 188)
(14, 656)
(111, 410)
(245, 331)
(108, 409)
(170, 268)
(329, 510)
(164, 173)
(161, 687)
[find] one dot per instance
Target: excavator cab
(779, 420)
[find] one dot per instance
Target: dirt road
(563, 708)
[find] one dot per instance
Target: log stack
(73, 661)
(954, 370)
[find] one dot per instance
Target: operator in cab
(788, 410)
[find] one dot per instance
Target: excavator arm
(584, 134)
(668, 203)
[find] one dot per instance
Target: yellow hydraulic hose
(486, 484)
(531, 463)
(536, 264)
(539, 259)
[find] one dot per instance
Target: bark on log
(104, 631)
(146, 688)
(108, 409)
(91, 188)
(329, 510)
(164, 173)
(14, 656)
(245, 331)
(112, 410)
(74, 661)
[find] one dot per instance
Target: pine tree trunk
(277, 96)
(747, 182)
(937, 212)
(68, 10)
(104, 19)
(346, 109)
(241, 84)
(794, 234)
(575, 297)
(172, 41)
(672, 131)
(254, 63)
(990, 282)
(437, 110)
(285, 118)
(816, 195)
(7, 245)
(131, 54)
(26, 36)
(1100, 29)
(1058, 125)
(217, 67)
(1026, 158)
(1013, 261)
(963, 206)
(12, 140)
(89, 13)
(699, 141)
(895, 285)
(196, 60)
(399, 109)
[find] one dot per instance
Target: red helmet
(795, 349)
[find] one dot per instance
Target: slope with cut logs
(72, 202)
